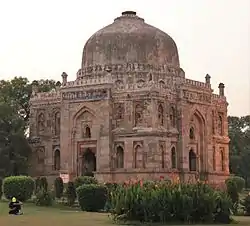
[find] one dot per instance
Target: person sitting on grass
(15, 207)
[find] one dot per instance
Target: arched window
(173, 158)
(191, 133)
(172, 117)
(192, 161)
(136, 153)
(162, 156)
(57, 160)
(138, 114)
(222, 159)
(87, 132)
(41, 121)
(57, 123)
(119, 158)
(220, 126)
(214, 159)
(160, 115)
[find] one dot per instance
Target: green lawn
(42, 216)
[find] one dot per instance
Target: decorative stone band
(129, 67)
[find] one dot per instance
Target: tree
(17, 93)
(14, 148)
(14, 118)
(239, 133)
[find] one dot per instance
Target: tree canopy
(14, 118)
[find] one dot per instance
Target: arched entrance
(197, 148)
(88, 161)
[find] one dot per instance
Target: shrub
(37, 184)
(162, 202)
(79, 181)
(1, 188)
(21, 187)
(232, 191)
(71, 193)
(88, 174)
(58, 186)
(240, 182)
(44, 198)
(44, 183)
(246, 204)
(92, 197)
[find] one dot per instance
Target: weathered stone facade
(131, 113)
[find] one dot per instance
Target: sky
(40, 39)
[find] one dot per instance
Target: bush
(163, 202)
(37, 184)
(92, 197)
(79, 181)
(88, 174)
(58, 186)
(232, 191)
(240, 182)
(71, 193)
(44, 198)
(21, 187)
(44, 183)
(1, 188)
(246, 204)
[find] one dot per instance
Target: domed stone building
(131, 113)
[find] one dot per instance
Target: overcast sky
(43, 38)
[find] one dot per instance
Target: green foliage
(88, 174)
(38, 185)
(44, 183)
(79, 181)
(92, 197)
(240, 182)
(14, 120)
(44, 198)
(58, 185)
(1, 188)
(239, 147)
(246, 204)
(21, 187)
(232, 191)
(170, 203)
(71, 193)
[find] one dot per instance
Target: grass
(63, 216)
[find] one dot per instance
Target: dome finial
(128, 13)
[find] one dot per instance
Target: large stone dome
(130, 40)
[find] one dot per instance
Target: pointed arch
(162, 156)
(57, 118)
(192, 161)
(119, 157)
(191, 133)
(57, 159)
(136, 153)
(199, 115)
(173, 158)
(83, 109)
(87, 132)
(160, 115)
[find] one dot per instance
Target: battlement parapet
(193, 83)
